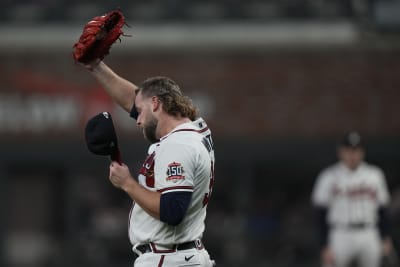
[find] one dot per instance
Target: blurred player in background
(351, 198)
(174, 185)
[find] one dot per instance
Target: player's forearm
(121, 90)
(146, 199)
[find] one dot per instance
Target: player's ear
(155, 103)
(362, 152)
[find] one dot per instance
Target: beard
(149, 130)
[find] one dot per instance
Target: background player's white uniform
(352, 199)
(183, 160)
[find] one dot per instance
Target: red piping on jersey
(161, 261)
(191, 130)
(175, 187)
(187, 130)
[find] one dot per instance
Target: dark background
(277, 81)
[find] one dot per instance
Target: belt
(152, 247)
(353, 226)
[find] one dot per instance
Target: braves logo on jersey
(358, 191)
(147, 170)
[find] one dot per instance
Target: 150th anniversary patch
(175, 172)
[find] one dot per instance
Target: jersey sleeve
(321, 192)
(174, 168)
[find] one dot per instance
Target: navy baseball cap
(100, 135)
(351, 140)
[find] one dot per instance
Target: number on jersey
(207, 196)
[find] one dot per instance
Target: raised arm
(121, 90)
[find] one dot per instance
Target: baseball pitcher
(171, 192)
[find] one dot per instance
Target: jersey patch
(175, 172)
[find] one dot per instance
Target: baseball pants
(360, 245)
(182, 258)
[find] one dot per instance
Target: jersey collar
(187, 126)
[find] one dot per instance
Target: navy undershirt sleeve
(173, 207)
(322, 226)
(383, 223)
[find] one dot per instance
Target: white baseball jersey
(351, 196)
(183, 160)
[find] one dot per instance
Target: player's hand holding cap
(101, 138)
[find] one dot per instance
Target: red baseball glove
(98, 36)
